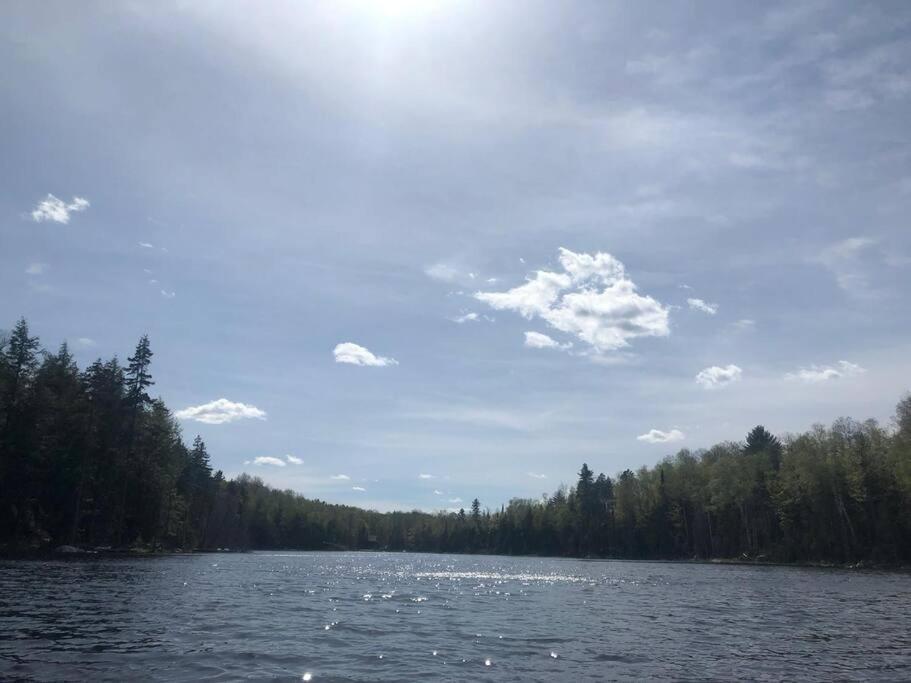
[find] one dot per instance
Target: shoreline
(75, 553)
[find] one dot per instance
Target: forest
(89, 458)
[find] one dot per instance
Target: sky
(403, 254)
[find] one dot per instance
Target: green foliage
(90, 458)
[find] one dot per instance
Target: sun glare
(398, 9)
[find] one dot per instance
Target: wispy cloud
(58, 211)
(592, 299)
(467, 318)
(658, 436)
(455, 500)
(822, 373)
(85, 342)
(442, 272)
(146, 245)
(294, 460)
(716, 376)
(703, 306)
(358, 488)
(845, 260)
(536, 475)
(168, 295)
(268, 460)
(220, 411)
(426, 476)
(36, 269)
(340, 477)
(354, 354)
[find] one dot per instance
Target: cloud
(437, 492)
(220, 411)
(845, 261)
(700, 305)
(822, 373)
(294, 460)
(340, 477)
(468, 317)
(358, 488)
(269, 460)
(455, 500)
(592, 298)
(716, 376)
(535, 475)
(537, 340)
(426, 476)
(85, 342)
(355, 354)
(744, 325)
(168, 295)
(146, 245)
(442, 272)
(36, 269)
(52, 209)
(658, 436)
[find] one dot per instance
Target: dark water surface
(377, 616)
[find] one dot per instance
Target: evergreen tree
(138, 377)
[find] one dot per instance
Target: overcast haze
(402, 254)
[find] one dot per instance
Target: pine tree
(138, 377)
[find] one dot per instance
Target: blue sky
(479, 242)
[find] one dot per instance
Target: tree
(760, 440)
(138, 377)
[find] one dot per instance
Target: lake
(406, 617)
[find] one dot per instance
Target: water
(404, 617)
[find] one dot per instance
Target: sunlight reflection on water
(374, 616)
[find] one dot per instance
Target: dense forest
(88, 458)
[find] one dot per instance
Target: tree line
(89, 458)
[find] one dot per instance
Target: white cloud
(36, 269)
(592, 299)
(455, 500)
(468, 317)
(340, 477)
(822, 373)
(294, 460)
(220, 411)
(269, 460)
(437, 492)
(146, 245)
(658, 436)
(168, 295)
(358, 488)
(536, 340)
(426, 476)
(700, 305)
(716, 376)
(52, 209)
(355, 354)
(85, 342)
(535, 475)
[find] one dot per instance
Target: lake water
(404, 617)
